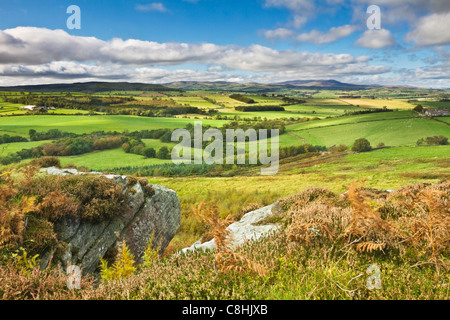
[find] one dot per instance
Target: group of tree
(6, 138)
(136, 146)
(354, 113)
(112, 105)
(52, 134)
(241, 98)
(259, 108)
(433, 141)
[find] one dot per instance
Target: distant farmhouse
(436, 113)
(36, 108)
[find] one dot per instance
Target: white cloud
(154, 6)
(39, 52)
(278, 34)
(331, 35)
(431, 30)
(314, 36)
(301, 10)
(376, 39)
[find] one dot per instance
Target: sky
(264, 41)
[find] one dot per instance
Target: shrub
(433, 141)
(46, 162)
(123, 267)
(149, 153)
(163, 153)
(361, 145)
(339, 148)
(96, 197)
(418, 108)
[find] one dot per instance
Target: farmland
(318, 119)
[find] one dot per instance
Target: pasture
(87, 124)
(380, 103)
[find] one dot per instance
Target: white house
(35, 108)
(31, 108)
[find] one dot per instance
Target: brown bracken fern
(226, 259)
(13, 208)
(367, 230)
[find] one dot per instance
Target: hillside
(90, 87)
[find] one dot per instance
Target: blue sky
(226, 40)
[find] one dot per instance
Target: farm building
(36, 108)
(436, 113)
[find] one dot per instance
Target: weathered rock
(243, 230)
(84, 243)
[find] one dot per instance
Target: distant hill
(94, 87)
(259, 87)
(90, 87)
(324, 84)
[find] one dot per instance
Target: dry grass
(226, 259)
(13, 208)
(415, 216)
(323, 251)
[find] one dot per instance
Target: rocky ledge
(149, 212)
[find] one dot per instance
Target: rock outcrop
(244, 230)
(149, 213)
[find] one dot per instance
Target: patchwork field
(379, 104)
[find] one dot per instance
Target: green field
(322, 110)
(110, 159)
(6, 149)
(86, 124)
(379, 103)
(194, 101)
(434, 104)
(325, 102)
(395, 132)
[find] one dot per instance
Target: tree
(126, 147)
(32, 133)
(418, 108)
(361, 145)
(149, 153)
(163, 153)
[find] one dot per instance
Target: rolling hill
(90, 87)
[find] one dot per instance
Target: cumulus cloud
(376, 39)
(278, 34)
(331, 35)
(29, 51)
(431, 30)
(314, 36)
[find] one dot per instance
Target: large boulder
(155, 213)
(246, 229)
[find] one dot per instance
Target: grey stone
(243, 230)
(87, 242)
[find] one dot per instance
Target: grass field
(322, 110)
(325, 102)
(195, 101)
(6, 149)
(110, 159)
(336, 121)
(434, 104)
(86, 124)
(395, 132)
(377, 103)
